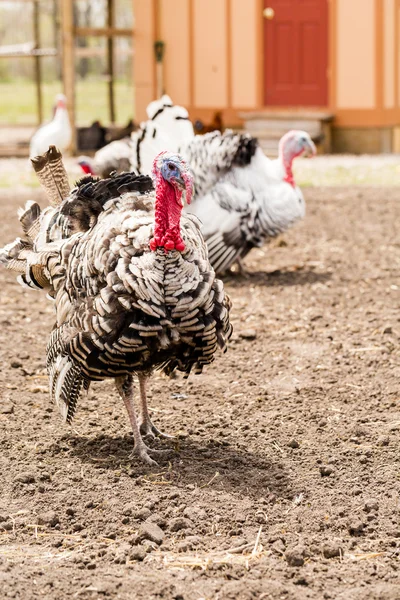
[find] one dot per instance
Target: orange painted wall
(355, 54)
(175, 30)
(210, 56)
(389, 53)
(243, 46)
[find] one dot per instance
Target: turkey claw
(150, 431)
(142, 452)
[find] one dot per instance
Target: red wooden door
(296, 53)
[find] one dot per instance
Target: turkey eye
(171, 167)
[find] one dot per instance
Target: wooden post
(144, 63)
(68, 62)
(110, 61)
(38, 66)
(159, 48)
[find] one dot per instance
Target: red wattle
(290, 179)
(167, 217)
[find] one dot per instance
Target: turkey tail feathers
(66, 379)
(13, 256)
(52, 175)
(29, 218)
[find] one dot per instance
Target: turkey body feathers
(212, 155)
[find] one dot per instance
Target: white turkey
(242, 197)
(165, 120)
(57, 132)
(133, 288)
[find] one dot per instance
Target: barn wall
(355, 77)
(211, 52)
(210, 56)
(175, 30)
(397, 50)
(389, 53)
(244, 17)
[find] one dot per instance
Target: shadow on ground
(189, 462)
(277, 278)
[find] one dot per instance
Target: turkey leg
(146, 426)
(241, 270)
(125, 389)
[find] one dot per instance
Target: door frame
(331, 67)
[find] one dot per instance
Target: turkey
(115, 156)
(164, 120)
(168, 126)
(242, 198)
(57, 132)
(248, 204)
(133, 288)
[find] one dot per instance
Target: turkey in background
(242, 197)
(111, 155)
(57, 132)
(133, 288)
(167, 127)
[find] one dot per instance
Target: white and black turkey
(164, 120)
(241, 197)
(133, 288)
(57, 132)
(252, 201)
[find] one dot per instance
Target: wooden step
(279, 128)
(287, 114)
(270, 125)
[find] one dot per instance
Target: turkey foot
(142, 452)
(150, 431)
(125, 388)
(146, 427)
(241, 270)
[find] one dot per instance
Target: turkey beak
(180, 182)
(310, 149)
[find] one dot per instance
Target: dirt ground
(284, 482)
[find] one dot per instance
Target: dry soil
(284, 480)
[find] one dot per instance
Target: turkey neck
(61, 115)
(168, 209)
(286, 158)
